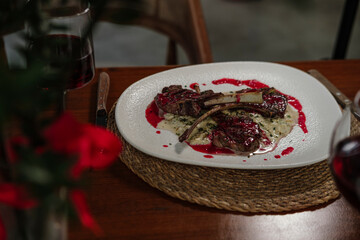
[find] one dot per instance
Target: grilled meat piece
(240, 134)
(274, 104)
(266, 101)
(174, 99)
(235, 97)
(213, 110)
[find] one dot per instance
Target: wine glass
(66, 48)
(344, 158)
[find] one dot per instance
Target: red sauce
(264, 139)
(192, 86)
(302, 118)
(152, 115)
(158, 132)
(208, 156)
(165, 146)
(250, 83)
(287, 151)
(277, 156)
(210, 149)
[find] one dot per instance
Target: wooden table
(128, 208)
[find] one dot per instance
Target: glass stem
(63, 104)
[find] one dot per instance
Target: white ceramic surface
(319, 106)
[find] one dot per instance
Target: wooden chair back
(181, 20)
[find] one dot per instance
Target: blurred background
(238, 30)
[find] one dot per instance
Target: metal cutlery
(102, 94)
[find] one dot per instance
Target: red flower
(95, 146)
(78, 199)
(16, 196)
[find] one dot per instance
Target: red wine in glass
(78, 55)
(345, 166)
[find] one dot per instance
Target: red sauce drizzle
(165, 146)
(302, 118)
(277, 156)
(208, 156)
(264, 139)
(158, 132)
(250, 83)
(210, 149)
(287, 151)
(192, 86)
(152, 115)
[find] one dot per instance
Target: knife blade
(102, 94)
(341, 98)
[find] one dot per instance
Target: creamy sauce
(273, 129)
(178, 125)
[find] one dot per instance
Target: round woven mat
(255, 191)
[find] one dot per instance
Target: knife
(102, 94)
(341, 99)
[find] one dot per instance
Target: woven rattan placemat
(252, 191)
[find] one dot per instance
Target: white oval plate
(319, 106)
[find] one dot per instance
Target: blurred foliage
(24, 100)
